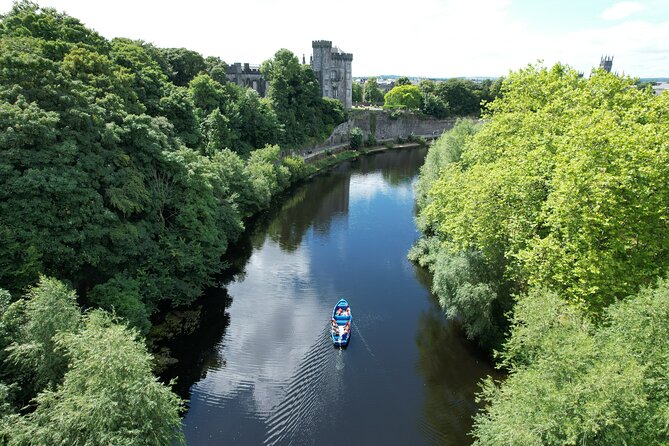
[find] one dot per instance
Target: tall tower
(332, 68)
(606, 62)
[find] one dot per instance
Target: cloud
(622, 10)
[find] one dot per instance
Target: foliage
(403, 80)
(108, 395)
(295, 97)
(561, 188)
(444, 151)
(404, 96)
(184, 64)
(564, 181)
(371, 91)
(434, 105)
(355, 138)
(31, 324)
(356, 93)
(572, 383)
(459, 97)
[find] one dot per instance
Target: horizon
(455, 39)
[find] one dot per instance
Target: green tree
(572, 203)
(31, 324)
(433, 105)
(371, 92)
(149, 82)
(184, 64)
(217, 69)
(404, 96)
(356, 94)
(402, 81)
(573, 383)
(355, 137)
(462, 95)
(108, 395)
(295, 97)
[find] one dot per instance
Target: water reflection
(197, 348)
(451, 368)
(266, 373)
(316, 204)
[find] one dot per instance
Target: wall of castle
(248, 76)
(333, 71)
(385, 127)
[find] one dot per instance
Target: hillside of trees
(546, 230)
(126, 171)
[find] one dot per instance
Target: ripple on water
(303, 394)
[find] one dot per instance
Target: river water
(261, 368)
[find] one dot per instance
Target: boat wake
(303, 394)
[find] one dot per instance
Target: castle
(606, 62)
(331, 66)
(248, 76)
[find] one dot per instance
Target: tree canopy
(553, 212)
(404, 96)
(371, 91)
(126, 171)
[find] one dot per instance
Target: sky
(422, 38)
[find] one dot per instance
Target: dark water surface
(261, 369)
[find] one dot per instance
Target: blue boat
(341, 323)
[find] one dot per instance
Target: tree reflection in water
(451, 367)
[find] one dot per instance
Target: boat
(341, 323)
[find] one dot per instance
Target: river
(261, 369)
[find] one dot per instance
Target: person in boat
(347, 327)
(334, 325)
(348, 311)
(339, 311)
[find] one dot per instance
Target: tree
(184, 64)
(433, 105)
(356, 92)
(355, 137)
(295, 97)
(462, 95)
(404, 96)
(371, 92)
(33, 358)
(402, 81)
(217, 69)
(574, 383)
(572, 204)
(108, 395)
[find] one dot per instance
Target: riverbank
(330, 157)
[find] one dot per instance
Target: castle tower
(332, 68)
(606, 62)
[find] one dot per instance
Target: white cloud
(622, 10)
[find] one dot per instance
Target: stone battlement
(342, 56)
(321, 44)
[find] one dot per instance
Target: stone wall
(248, 76)
(386, 126)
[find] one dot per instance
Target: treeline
(452, 97)
(548, 222)
(126, 170)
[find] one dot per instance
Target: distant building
(248, 76)
(332, 68)
(661, 87)
(606, 62)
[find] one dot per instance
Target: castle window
(335, 92)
